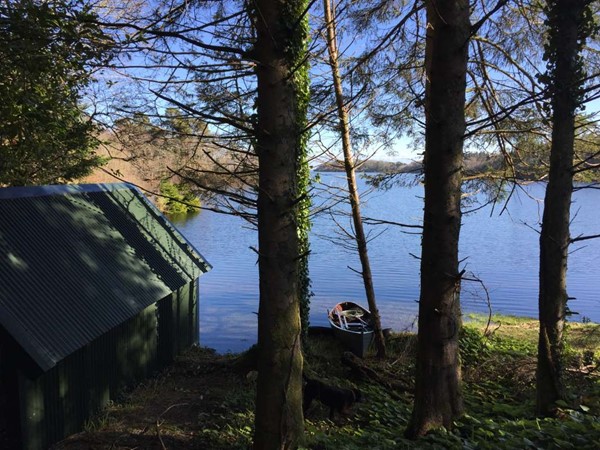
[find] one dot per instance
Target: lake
(500, 250)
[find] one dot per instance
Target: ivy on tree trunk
(569, 22)
(280, 50)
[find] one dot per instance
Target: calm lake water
(501, 250)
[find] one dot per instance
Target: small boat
(352, 325)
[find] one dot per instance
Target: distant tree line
(530, 166)
(371, 165)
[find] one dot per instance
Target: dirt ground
(172, 410)
(202, 402)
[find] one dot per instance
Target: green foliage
(555, 11)
(499, 400)
(179, 199)
(235, 432)
(296, 52)
(574, 430)
(46, 50)
(472, 345)
(520, 334)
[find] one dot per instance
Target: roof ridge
(59, 189)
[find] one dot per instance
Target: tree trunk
(565, 18)
(280, 42)
(438, 397)
(361, 240)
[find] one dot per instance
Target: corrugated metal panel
(58, 402)
(76, 262)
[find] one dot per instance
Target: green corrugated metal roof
(76, 261)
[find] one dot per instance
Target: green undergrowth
(499, 364)
(178, 199)
(498, 388)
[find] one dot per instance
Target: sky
(402, 149)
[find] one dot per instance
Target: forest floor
(202, 403)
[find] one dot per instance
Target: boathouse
(97, 291)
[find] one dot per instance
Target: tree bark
(566, 16)
(344, 124)
(279, 421)
(438, 397)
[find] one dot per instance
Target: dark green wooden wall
(60, 401)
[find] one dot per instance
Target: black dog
(337, 399)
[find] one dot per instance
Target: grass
(200, 403)
(580, 337)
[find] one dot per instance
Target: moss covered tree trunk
(281, 107)
(438, 399)
(566, 22)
